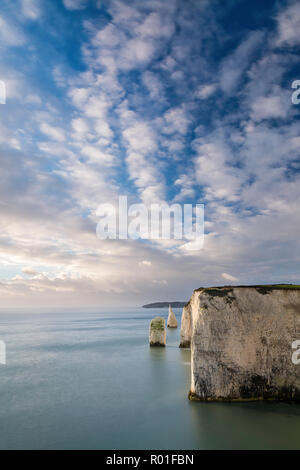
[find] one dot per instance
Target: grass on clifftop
(255, 286)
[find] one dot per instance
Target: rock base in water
(157, 335)
(185, 344)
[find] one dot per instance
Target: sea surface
(88, 380)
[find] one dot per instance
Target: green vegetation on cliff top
(262, 288)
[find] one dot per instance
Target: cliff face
(186, 326)
(241, 343)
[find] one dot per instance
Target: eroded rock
(172, 321)
(157, 335)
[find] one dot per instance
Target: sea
(89, 380)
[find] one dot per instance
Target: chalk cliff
(157, 334)
(186, 326)
(172, 321)
(241, 343)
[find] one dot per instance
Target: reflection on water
(91, 381)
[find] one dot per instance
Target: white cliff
(186, 327)
(172, 321)
(157, 334)
(241, 343)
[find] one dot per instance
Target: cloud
(95, 155)
(79, 96)
(9, 34)
(205, 91)
(109, 36)
(75, 4)
(136, 53)
(54, 133)
(289, 26)
(140, 138)
(156, 27)
(145, 263)
(271, 107)
(29, 271)
(235, 65)
(153, 85)
(31, 9)
(229, 277)
(214, 172)
(176, 121)
(160, 281)
(80, 126)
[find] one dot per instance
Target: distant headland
(165, 305)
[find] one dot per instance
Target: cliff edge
(241, 343)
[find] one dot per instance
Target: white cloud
(235, 65)
(75, 4)
(140, 138)
(29, 271)
(96, 106)
(176, 121)
(54, 133)
(108, 36)
(142, 165)
(185, 183)
(153, 85)
(145, 263)
(9, 34)
(205, 91)
(289, 26)
(79, 96)
(229, 277)
(97, 156)
(31, 9)
(136, 52)
(271, 107)
(213, 171)
(80, 126)
(123, 13)
(103, 129)
(156, 27)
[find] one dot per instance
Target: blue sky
(178, 101)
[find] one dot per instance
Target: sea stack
(242, 343)
(157, 336)
(172, 322)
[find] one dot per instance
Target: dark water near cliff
(90, 381)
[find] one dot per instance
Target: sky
(178, 101)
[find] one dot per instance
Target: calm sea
(90, 381)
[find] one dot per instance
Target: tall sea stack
(172, 321)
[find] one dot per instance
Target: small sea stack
(172, 322)
(157, 336)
